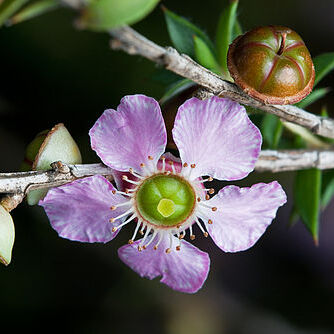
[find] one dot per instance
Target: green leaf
(327, 192)
(204, 55)
(34, 10)
(182, 32)
(323, 64)
(9, 8)
(175, 89)
(224, 35)
(271, 129)
(313, 97)
(237, 30)
(307, 196)
(109, 14)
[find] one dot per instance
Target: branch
(133, 43)
(269, 161)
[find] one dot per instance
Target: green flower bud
(49, 146)
(7, 236)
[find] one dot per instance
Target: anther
(114, 192)
(124, 177)
(193, 165)
(211, 191)
(178, 248)
(214, 208)
(150, 157)
(198, 199)
(114, 229)
(207, 197)
(205, 234)
(168, 250)
(209, 221)
(141, 232)
(140, 248)
(112, 220)
(171, 162)
(144, 247)
(192, 237)
(142, 165)
(185, 165)
(130, 242)
(155, 247)
(113, 207)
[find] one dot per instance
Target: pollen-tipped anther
(155, 247)
(214, 208)
(178, 248)
(207, 197)
(140, 248)
(150, 157)
(113, 207)
(205, 234)
(113, 192)
(112, 220)
(185, 165)
(124, 177)
(211, 191)
(114, 229)
(209, 179)
(209, 221)
(198, 199)
(193, 165)
(168, 250)
(142, 165)
(192, 237)
(130, 242)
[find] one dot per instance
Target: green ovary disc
(165, 200)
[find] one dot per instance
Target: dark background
(51, 73)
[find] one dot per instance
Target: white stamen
(158, 243)
(152, 238)
(122, 215)
(201, 228)
(126, 222)
(135, 232)
(168, 250)
(114, 207)
(125, 178)
(131, 171)
(163, 164)
(192, 236)
(122, 193)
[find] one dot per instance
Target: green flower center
(165, 200)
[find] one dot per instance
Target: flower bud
(7, 236)
(49, 146)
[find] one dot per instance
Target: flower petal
(185, 270)
(80, 210)
(242, 215)
(218, 137)
(125, 138)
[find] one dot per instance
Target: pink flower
(167, 196)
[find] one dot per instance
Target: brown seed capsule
(272, 64)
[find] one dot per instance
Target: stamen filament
(112, 220)
(135, 233)
(158, 243)
(114, 229)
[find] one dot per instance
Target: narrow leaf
(9, 8)
(224, 34)
(175, 89)
(307, 193)
(182, 32)
(204, 55)
(327, 188)
(271, 129)
(313, 97)
(107, 14)
(34, 10)
(323, 64)
(237, 30)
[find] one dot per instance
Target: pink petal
(185, 270)
(125, 138)
(218, 137)
(80, 210)
(243, 214)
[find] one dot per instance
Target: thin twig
(132, 42)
